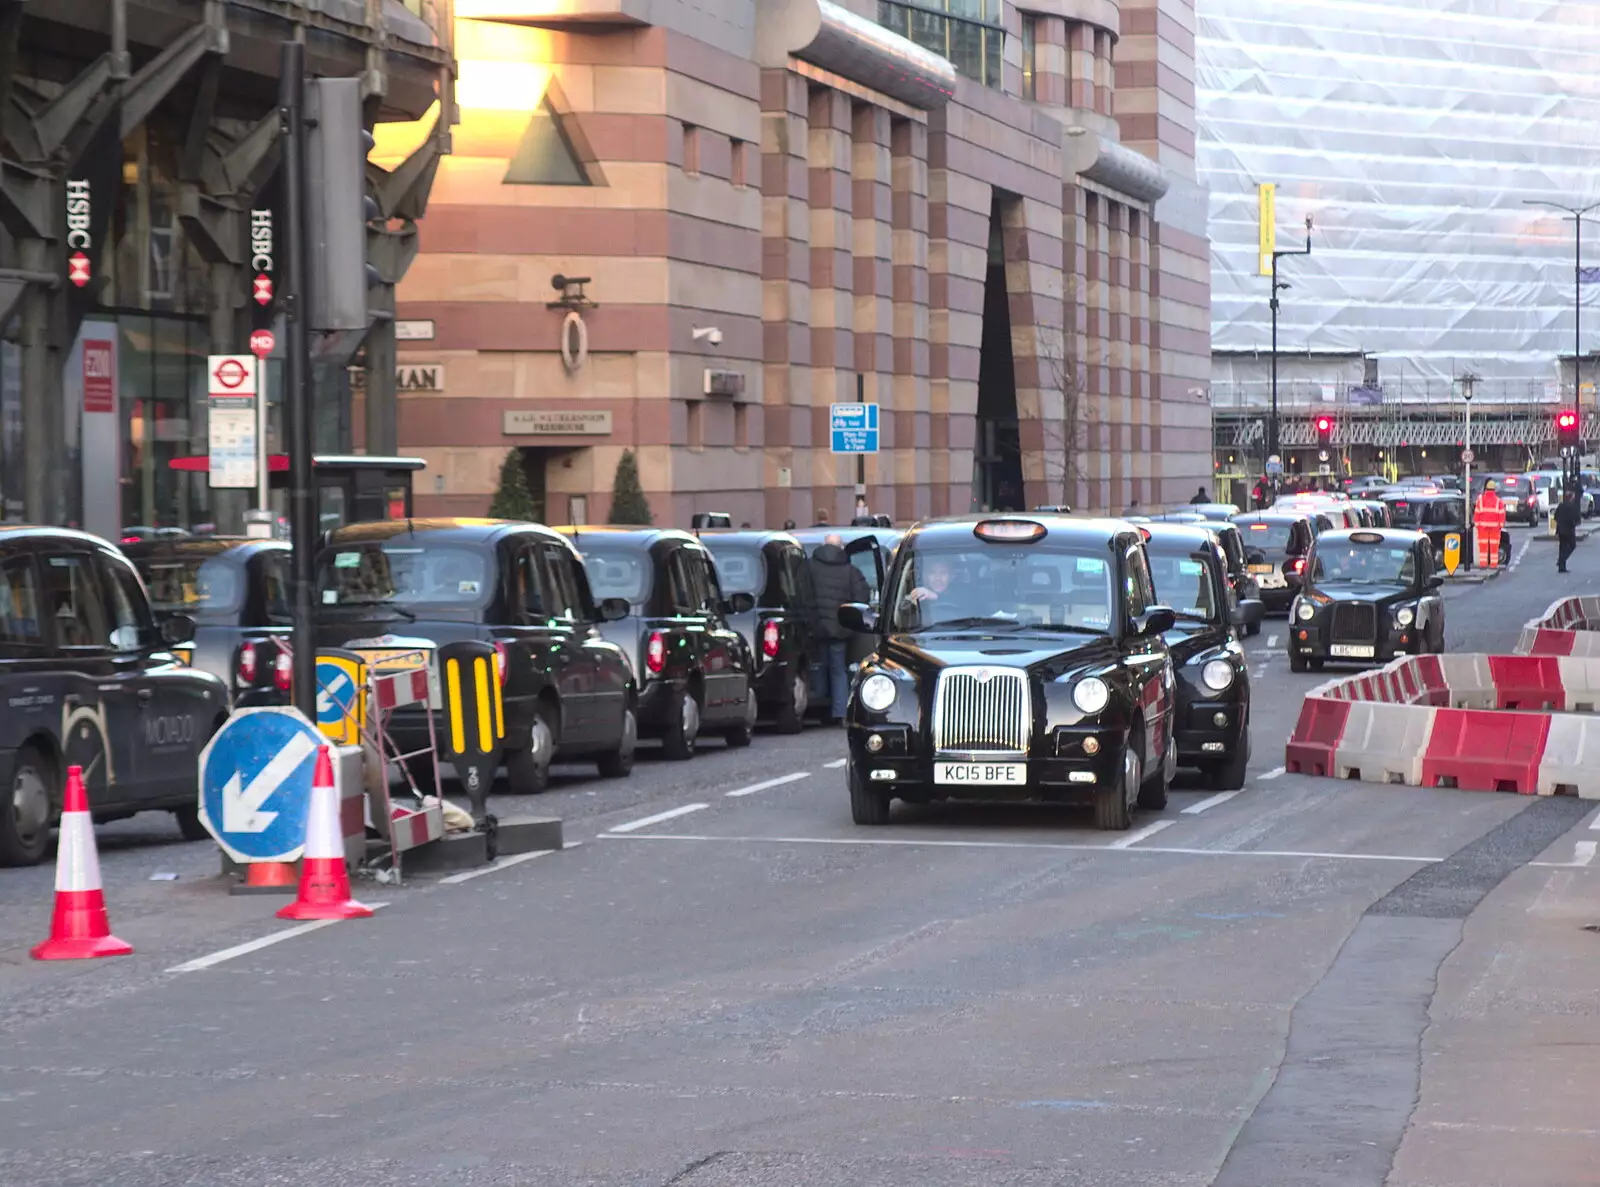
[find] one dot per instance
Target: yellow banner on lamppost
(1267, 199)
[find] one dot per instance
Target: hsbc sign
(80, 237)
(261, 251)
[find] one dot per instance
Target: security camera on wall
(707, 334)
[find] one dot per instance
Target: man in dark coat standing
(835, 582)
(1568, 516)
(1201, 496)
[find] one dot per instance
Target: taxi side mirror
(1434, 581)
(614, 609)
(1157, 620)
(858, 617)
(176, 630)
(739, 603)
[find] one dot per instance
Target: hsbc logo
(261, 256)
(79, 240)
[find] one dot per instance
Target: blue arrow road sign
(854, 427)
(255, 783)
(336, 694)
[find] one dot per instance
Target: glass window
(1139, 589)
(614, 573)
(1184, 582)
(20, 624)
(742, 569)
(198, 585)
(73, 603)
(1030, 33)
(561, 586)
(995, 586)
(529, 597)
(708, 580)
(405, 574)
(275, 586)
(1363, 564)
(127, 612)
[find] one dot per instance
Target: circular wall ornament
(574, 341)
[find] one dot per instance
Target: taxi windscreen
(616, 573)
(1273, 539)
(740, 569)
(192, 585)
(1363, 564)
(996, 585)
(406, 574)
(1183, 582)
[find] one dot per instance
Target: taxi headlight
(1405, 616)
(1091, 695)
(1217, 674)
(877, 692)
(1306, 612)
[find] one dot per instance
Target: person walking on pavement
(835, 582)
(1200, 496)
(1568, 516)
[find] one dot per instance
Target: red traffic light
(1567, 420)
(1324, 424)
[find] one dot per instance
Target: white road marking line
(909, 842)
(1272, 640)
(501, 863)
(835, 765)
(1272, 774)
(1583, 853)
(795, 777)
(1131, 839)
(670, 814)
(1595, 823)
(277, 937)
(1521, 552)
(1209, 802)
(1260, 672)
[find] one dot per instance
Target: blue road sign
(336, 694)
(255, 783)
(854, 427)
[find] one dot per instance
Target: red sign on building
(99, 376)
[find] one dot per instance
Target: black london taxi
(88, 679)
(1242, 578)
(237, 592)
(1377, 512)
(1276, 544)
(694, 671)
(1369, 595)
(390, 587)
(1212, 715)
(771, 568)
(1216, 512)
(1017, 657)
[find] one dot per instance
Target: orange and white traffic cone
(267, 877)
(324, 881)
(79, 928)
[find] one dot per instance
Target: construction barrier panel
(1571, 626)
(1570, 764)
(1479, 750)
(1311, 746)
(1526, 682)
(1383, 743)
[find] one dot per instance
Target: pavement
(725, 982)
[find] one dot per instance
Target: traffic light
(1324, 431)
(1567, 429)
(338, 207)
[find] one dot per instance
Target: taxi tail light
(769, 639)
(248, 664)
(283, 671)
(1299, 564)
(500, 663)
(655, 653)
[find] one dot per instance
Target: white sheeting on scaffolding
(1411, 130)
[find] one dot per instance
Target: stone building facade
(979, 215)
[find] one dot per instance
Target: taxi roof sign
(1013, 530)
(1365, 538)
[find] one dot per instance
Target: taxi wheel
(792, 713)
(741, 734)
(683, 727)
(1297, 663)
(25, 821)
(620, 763)
(528, 769)
(867, 805)
(1253, 629)
(189, 823)
(1113, 809)
(1227, 774)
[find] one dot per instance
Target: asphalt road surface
(724, 982)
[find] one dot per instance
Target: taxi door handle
(145, 695)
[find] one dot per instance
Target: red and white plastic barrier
(1571, 626)
(1482, 722)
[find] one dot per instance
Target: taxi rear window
(19, 604)
(190, 585)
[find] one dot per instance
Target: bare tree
(1072, 438)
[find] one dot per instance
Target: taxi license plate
(982, 774)
(1261, 568)
(1352, 651)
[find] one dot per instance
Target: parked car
(694, 671)
(1242, 579)
(1212, 716)
(236, 591)
(1369, 596)
(89, 679)
(1016, 657)
(1283, 541)
(1377, 512)
(771, 567)
(1517, 494)
(400, 586)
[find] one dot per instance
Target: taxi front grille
(1354, 622)
(981, 710)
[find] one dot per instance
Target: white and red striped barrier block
(411, 830)
(1481, 722)
(1571, 626)
(396, 690)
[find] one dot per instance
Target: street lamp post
(1577, 214)
(1277, 285)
